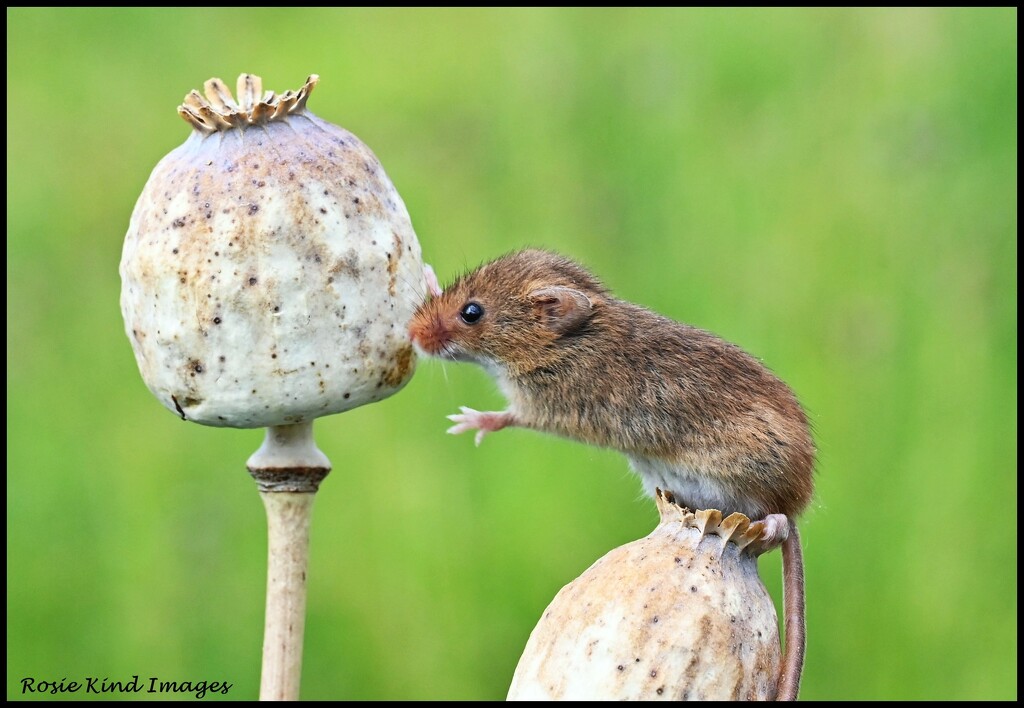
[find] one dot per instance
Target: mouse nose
(427, 332)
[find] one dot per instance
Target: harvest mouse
(695, 415)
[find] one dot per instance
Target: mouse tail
(793, 609)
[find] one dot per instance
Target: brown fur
(626, 378)
(689, 409)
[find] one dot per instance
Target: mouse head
(510, 314)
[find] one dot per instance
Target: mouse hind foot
(776, 528)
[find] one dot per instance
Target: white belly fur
(696, 490)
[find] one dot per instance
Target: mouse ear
(563, 309)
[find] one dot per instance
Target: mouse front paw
(482, 422)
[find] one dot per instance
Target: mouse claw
(463, 421)
(462, 417)
(483, 423)
(775, 530)
(463, 427)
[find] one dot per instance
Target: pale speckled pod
(678, 615)
(270, 268)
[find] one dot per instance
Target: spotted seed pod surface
(678, 615)
(270, 267)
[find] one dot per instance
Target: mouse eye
(471, 313)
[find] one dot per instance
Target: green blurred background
(833, 190)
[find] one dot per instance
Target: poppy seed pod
(678, 615)
(270, 268)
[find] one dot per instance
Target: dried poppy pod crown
(270, 268)
(678, 615)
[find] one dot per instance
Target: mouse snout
(428, 333)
